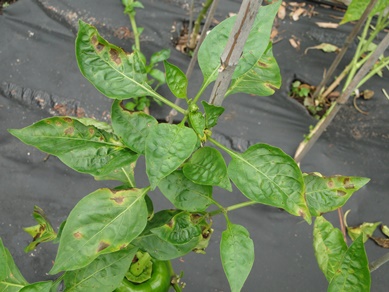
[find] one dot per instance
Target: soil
(5, 3)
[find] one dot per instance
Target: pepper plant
(112, 240)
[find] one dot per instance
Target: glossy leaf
(353, 272)
(98, 124)
(43, 232)
(365, 229)
(38, 287)
(356, 8)
(167, 147)
(105, 273)
(179, 230)
(11, 280)
(123, 174)
(329, 247)
(237, 255)
(86, 149)
(176, 80)
(158, 248)
(265, 174)
(132, 127)
(262, 79)
(112, 71)
(207, 167)
(325, 194)
(185, 194)
(102, 222)
(212, 114)
(197, 122)
(214, 44)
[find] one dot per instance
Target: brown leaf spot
(91, 131)
(77, 235)
(347, 183)
(48, 122)
(68, 120)
(261, 64)
(340, 193)
(330, 184)
(170, 224)
(383, 242)
(115, 56)
(94, 40)
(118, 200)
(102, 245)
(69, 131)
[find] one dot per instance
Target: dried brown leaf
(281, 11)
(382, 242)
(325, 47)
(327, 24)
(294, 43)
(296, 14)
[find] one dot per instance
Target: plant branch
(193, 60)
(196, 29)
(379, 262)
(234, 48)
(307, 144)
(232, 208)
(344, 49)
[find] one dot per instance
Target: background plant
(106, 229)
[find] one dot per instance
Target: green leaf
(237, 255)
(184, 194)
(123, 174)
(365, 229)
(207, 167)
(158, 75)
(38, 287)
(167, 147)
(43, 232)
(197, 122)
(132, 127)
(176, 80)
(265, 174)
(179, 230)
(329, 247)
(11, 280)
(102, 222)
(212, 114)
(385, 230)
(262, 79)
(257, 42)
(113, 72)
(159, 56)
(158, 248)
(356, 8)
(325, 194)
(86, 149)
(353, 272)
(105, 273)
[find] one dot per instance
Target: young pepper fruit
(160, 280)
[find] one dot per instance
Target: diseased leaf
(11, 280)
(325, 194)
(237, 255)
(38, 287)
(366, 229)
(43, 232)
(103, 222)
(382, 242)
(353, 272)
(176, 80)
(212, 114)
(105, 273)
(265, 174)
(179, 230)
(329, 247)
(86, 149)
(167, 147)
(158, 248)
(207, 167)
(214, 44)
(262, 79)
(132, 127)
(185, 194)
(112, 71)
(98, 124)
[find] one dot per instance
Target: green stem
(375, 70)
(358, 54)
(229, 151)
(200, 92)
(168, 102)
(196, 29)
(135, 30)
(232, 208)
(174, 278)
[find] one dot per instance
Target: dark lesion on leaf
(69, 131)
(118, 200)
(102, 245)
(340, 193)
(261, 64)
(99, 46)
(347, 183)
(330, 184)
(115, 56)
(67, 120)
(77, 235)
